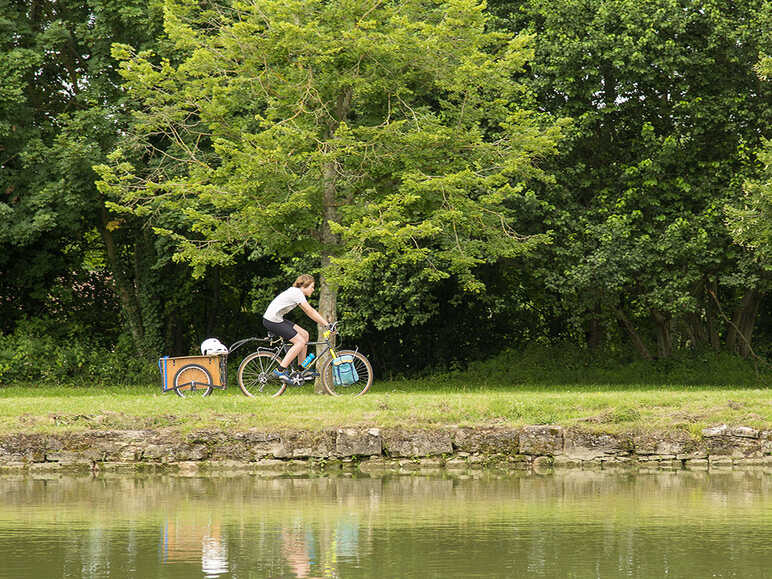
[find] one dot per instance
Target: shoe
(283, 376)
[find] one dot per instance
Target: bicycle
(202, 374)
(256, 376)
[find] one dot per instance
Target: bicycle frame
(224, 360)
(284, 347)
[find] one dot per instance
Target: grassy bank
(515, 388)
(428, 403)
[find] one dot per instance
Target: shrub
(569, 364)
(47, 351)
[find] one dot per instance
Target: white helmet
(213, 347)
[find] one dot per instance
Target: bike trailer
(170, 366)
(343, 371)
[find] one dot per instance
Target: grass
(435, 402)
(566, 386)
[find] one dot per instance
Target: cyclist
(273, 320)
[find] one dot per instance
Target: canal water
(573, 524)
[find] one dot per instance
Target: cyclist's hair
(303, 280)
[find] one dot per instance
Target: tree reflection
(573, 524)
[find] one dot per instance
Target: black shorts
(285, 328)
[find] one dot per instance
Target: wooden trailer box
(171, 371)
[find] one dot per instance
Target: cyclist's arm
(313, 314)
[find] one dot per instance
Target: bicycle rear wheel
(192, 379)
(256, 377)
(364, 372)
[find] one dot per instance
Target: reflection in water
(183, 540)
(297, 548)
(214, 557)
(303, 548)
(575, 524)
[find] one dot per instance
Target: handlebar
(332, 328)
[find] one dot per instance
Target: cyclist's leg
(298, 349)
(289, 332)
(304, 350)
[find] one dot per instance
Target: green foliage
(44, 351)
(60, 110)
(572, 365)
(668, 117)
(450, 326)
(362, 134)
(750, 222)
(408, 152)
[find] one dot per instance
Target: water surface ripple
(573, 524)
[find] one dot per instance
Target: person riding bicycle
(273, 320)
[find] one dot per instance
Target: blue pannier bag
(343, 371)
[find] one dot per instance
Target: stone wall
(391, 449)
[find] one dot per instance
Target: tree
(372, 135)
(667, 112)
(751, 223)
(60, 112)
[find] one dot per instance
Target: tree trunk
(637, 342)
(594, 333)
(749, 321)
(146, 282)
(213, 306)
(739, 333)
(711, 311)
(664, 339)
(174, 337)
(693, 322)
(123, 286)
(695, 328)
(746, 322)
(328, 294)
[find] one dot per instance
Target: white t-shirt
(285, 302)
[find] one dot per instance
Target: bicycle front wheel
(256, 377)
(364, 373)
(191, 379)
